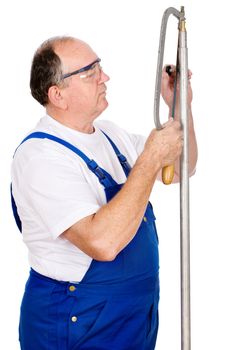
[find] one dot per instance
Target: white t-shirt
(53, 189)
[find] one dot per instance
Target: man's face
(86, 92)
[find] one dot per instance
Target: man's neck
(78, 124)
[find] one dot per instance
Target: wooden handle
(168, 174)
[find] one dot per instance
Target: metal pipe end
(182, 27)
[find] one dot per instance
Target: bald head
(74, 54)
(54, 57)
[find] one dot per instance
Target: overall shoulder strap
(104, 178)
(15, 211)
(122, 159)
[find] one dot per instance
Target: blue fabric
(15, 211)
(115, 316)
(114, 307)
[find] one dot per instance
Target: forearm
(123, 214)
(193, 151)
(115, 224)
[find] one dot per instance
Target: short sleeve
(138, 142)
(57, 191)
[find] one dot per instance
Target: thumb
(168, 123)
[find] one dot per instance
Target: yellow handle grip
(168, 174)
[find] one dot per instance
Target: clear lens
(93, 72)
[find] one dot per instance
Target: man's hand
(167, 91)
(167, 87)
(164, 146)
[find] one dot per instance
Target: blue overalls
(114, 307)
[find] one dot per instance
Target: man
(81, 188)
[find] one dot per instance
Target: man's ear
(56, 98)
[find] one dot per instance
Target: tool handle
(168, 174)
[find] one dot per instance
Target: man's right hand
(164, 146)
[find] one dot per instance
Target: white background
(124, 34)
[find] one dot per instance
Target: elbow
(104, 253)
(105, 257)
(104, 248)
(97, 249)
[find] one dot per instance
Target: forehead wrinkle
(75, 54)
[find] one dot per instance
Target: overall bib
(114, 307)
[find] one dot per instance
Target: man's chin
(102, 107)
(104, 104)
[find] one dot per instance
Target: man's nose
(103, 77)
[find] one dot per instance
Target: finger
(176, 126)
(190, 73)
(168, 123)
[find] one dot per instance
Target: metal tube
(184, 164)
(184, 195)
